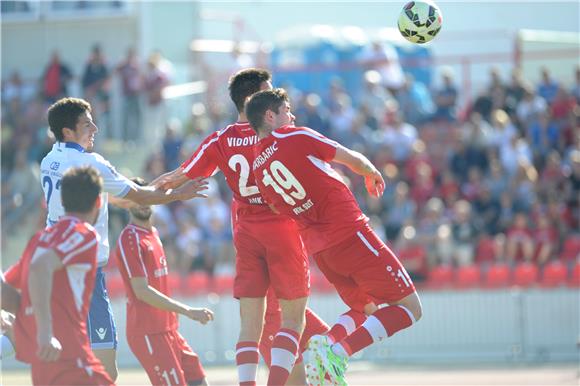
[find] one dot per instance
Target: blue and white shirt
(65, 155)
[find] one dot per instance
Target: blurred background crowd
(486, 181)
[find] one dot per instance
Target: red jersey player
(151, 314)
(269, 251)
(56, 276)
(292, 172)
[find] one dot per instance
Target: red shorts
(70, 372)
(167, 358)
(269, 252)
(273, 320)
(364, 264)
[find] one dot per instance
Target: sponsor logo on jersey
(101, 332)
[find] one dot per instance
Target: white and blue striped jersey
(65, 155)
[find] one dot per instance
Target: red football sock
(383, 323)
(346, 324)
(247, 358)
(284, 349)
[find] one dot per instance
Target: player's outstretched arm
(151, 195)
(361, 165)
(171, 180)
(40, 277)
(144, 292)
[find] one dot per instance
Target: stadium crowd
(495, 180)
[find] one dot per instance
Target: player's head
(268, 110)
(80, 190)
(140, 212)
(70, 120)
(247, 82)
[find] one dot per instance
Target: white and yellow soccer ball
(420, 21)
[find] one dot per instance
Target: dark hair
(79, 189)
(246, 83)
(263, 101)
(65, 113)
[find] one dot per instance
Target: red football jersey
(75, 243)
(292, 172)
(140, 254)
(230, 150)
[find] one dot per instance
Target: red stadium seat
(115, 286)
(497, 276)
(486, 250)
(571, 248)
(440, 277)
(526, 275)
(575, 277)
(554, 275)
(468, 276)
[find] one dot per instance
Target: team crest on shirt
(54, 165)
(101, 332)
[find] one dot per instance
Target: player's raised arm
(151, 195)
(40, 278)
(361, 165)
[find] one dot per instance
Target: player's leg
(250, 286)
(101, 327)
(158, 357)
(192, 369)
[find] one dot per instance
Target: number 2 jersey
(230, 150)
(293, 174)
(65, 155)
(75, 243)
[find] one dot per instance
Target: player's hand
(192, 189)
(6, 321)
(375, 184)
(49, 349)
(202, 315)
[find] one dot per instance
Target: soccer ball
(420, 21)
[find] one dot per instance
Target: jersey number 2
(47, 185)
(245, 190)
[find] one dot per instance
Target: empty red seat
(571, 248)
(497, 276)
(554, 275)
(440, 277)
(468, 276)
(575, 277)
(526, 274)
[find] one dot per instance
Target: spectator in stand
(548, 87)
(397, 134)
(523, 187)
(487, 211)
(217, 251)
(543, 135)
(446, 98)
(400, 213)
(562, 106)
(519, 240)
(516, 152)
(424, 187)
(172, 143)
(358, 136)
(374, 96)
(156, 79)
(514, 92)
(464, 234)
(477, 133)
(131, 82)
(496, 181)
(471, 189)
(55, 79)
(189, 247)
(546, 240)
(502, 129)
(16, 89)
(448, 187)
(96, 88)
(428, 227)
(415, 101)
(507, 212)
(384, 59)
(465, 156)
(313, 114)
(342, 117)
(552, 176)
(529, 108)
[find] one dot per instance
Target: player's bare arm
(146, 293)
(42, 267)
(10, 298)
(171, 180)
(361, 165)
(151, 195)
